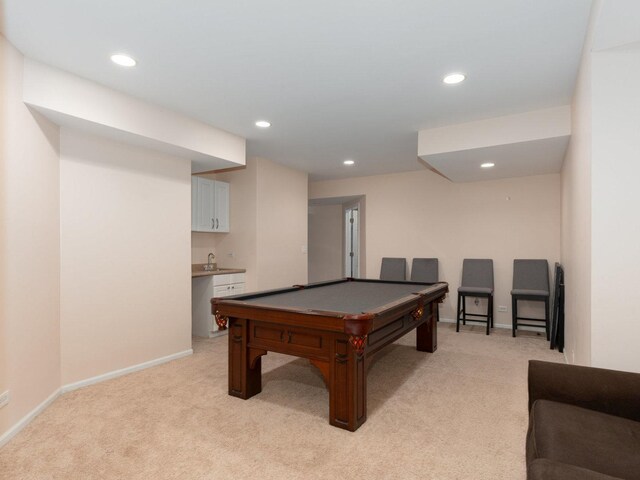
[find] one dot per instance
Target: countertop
(197, 271)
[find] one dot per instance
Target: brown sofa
(584, 423)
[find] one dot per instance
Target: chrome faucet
(210, 259)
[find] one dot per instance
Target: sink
(210, 267)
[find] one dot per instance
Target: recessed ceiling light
(123, 60)
(453, 78)
(488, 165)
(263, 124)
(348, 162)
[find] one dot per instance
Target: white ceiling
(354, 79)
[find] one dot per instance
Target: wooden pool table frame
(340, 345)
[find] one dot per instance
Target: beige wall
(281, 219)
(522, 127)
(601, 230)
(204, 243)
(94, 254)
(325, 242)
(238, 248)
(125, 255)
(420, 214)
(615, 224)
(576, 218)
(81, 103)
(4, 120)
(268, 226)
(30, 268)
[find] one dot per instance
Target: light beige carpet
(460, 413)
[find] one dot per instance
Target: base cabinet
(203, 289)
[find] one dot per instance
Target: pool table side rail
(276, 291)
(355, 324)
(294, 288)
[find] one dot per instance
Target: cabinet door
(206, 205)
(201, 288)
(222, 207)
(222, 291)
(194, 204)
(237, 289)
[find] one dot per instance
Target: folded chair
(393, 269)
(477, 281)
(530, 282)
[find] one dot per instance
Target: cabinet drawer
(222, 279)
(226, 290)
(227, 279)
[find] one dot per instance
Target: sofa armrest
(608, 391)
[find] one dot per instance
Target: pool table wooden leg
(427, 333)
(245, 364)
(347, 385)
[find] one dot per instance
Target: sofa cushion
(584, 438)
(544, 469)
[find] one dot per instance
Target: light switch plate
(502, 308)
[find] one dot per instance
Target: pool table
(338, 325)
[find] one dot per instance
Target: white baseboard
(495, 325)
(24, 421)
(9, 434)
(124, 371)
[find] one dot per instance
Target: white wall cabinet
(221, 210)
(203, 289)
(194, 204)
(209, 205)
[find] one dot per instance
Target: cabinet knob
(212, 224)
(217, 223)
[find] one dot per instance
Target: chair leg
(458, 314)
(514, 315)
(492, 310)
(546, 317)
(464, 310)
(488, 313)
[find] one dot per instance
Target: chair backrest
(477, 273)
(424, 270)
(393, 269)
(531, 275)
